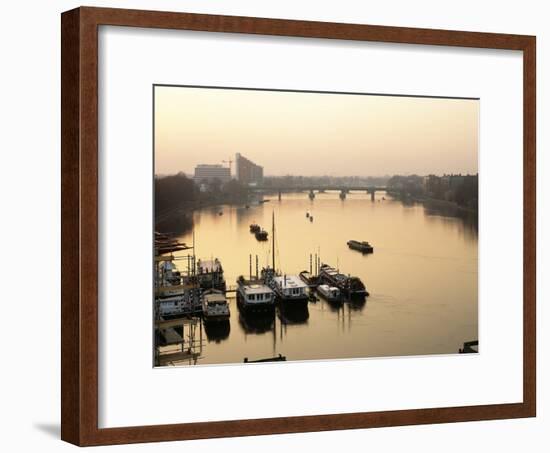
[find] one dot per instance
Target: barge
(350, 287)
(363, 246)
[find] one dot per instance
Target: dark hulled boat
(350, 287)
(363, 246)
(261, 235)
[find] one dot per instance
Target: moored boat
(210, 274)
(351, 287)
(254, 296)
(329, 293)
(289, 289)
(214, 306)
(363, 246)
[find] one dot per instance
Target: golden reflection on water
(422, 277)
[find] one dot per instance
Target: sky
(314, 134)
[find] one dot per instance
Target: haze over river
(422, 277)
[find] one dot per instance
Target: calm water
(422, 278)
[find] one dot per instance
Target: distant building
(247, 172)
(207, 173)
(433, 184)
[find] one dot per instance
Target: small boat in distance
(363, 246)
(261, 235)
(329, 293)
(214, 306)
(254, 228)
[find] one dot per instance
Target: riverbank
(434, 203)
(180, 219)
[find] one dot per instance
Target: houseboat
(329, 293)
(214, 306)
(175, 294)
(168, 279)
(289, 289)
(350, 287)
(210, 274)
(187, 303)
(254, 296)
(363, 246)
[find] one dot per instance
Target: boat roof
(215, 297)
(256, 288)
(289, 281)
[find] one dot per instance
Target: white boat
(289, 289)
(214, 306)
(253, 296)
(330, 293)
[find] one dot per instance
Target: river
(422, 277)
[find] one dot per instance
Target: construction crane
(228, 162)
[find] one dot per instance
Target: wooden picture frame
(79, 170)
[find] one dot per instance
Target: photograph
(295, 225)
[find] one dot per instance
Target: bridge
(319, 188)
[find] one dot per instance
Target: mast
(273, 239)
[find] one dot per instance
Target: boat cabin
(289, 286)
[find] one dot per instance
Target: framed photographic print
(276, 226)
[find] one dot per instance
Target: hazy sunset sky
(314, 134)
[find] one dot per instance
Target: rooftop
(290, 281)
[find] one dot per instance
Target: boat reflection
(357, 303)
(289, 314)
(217, 331)
(256, 323)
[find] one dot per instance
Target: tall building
(207, 173)
(247, 172)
